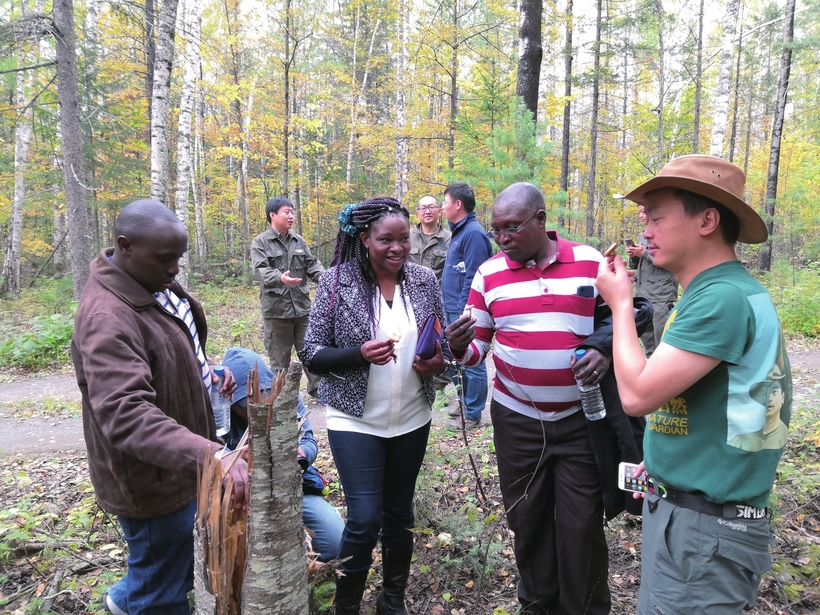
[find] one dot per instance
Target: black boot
(396, 568)
(349, 591)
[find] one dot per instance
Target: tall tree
(593, 146)
(192, 20)
(72, 133)
(765, 260)
(720, 112)
(566, 133)
(530, 53)
(160, 100)
(698, 83)
(22, 141)
(402, 141)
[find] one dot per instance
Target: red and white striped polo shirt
(538, 319)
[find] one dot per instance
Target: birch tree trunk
(565, 132)
(593, 147)
(150, 53)
(160, 100)
(402, 141)
(720, 112)
(71, 131)
(530, 53)
(22, 140)
(199, 204)
(191, 23)
(276, 571)
(765, 259)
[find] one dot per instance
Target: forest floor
(58, 551)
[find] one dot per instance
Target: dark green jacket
(272, 255)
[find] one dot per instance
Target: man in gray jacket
(282, 263)
(428, 239)
(655, 284)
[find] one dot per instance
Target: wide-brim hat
(714, 178)
(241, 361)
(759, 391)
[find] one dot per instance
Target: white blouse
(396, 403)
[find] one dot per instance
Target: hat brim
(752, 227)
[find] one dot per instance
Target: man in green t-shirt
(716, 392)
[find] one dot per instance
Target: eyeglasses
(509, 232)
(427, 208)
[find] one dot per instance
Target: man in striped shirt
(538, 300)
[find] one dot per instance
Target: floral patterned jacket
(346, 325)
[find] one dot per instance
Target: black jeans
(560, 546)
(379, 480)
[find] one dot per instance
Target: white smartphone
(628, 483)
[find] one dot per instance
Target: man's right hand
(460, 333)
(241, 488)
(289, 281)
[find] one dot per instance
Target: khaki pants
(282, 335)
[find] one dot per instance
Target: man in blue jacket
(469, 247)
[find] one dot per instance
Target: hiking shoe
(111, 606)
(454, 408)
(455, 425)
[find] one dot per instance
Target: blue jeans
(474, 386)
(322, 519)
(160, 564)
(379, 480)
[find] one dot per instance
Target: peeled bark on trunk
(160, 101)
(530, 53)
(71, 131)
(765, 261)
(276, 581)
(720, 113)
(192, 12)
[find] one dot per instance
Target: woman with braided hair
(361, 339)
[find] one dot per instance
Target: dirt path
(32, 434)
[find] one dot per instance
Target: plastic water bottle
(221, 405)
(591, 398)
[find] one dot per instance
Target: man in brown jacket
(138, 351)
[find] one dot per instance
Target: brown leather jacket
(146, 415)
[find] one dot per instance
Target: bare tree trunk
(661, 79)
(22, 140)
(530, 53)
(199, 204)
(402, 141)
(160, 101)
(358, 99)
(565, 133)
(593, 147)
(765, 260)
(150, 54)
(698, 83)
(276, 572)
(60, 258)
(736, 102)
(191, 19)
(451, 136)
(720, 113)
(73, 168)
